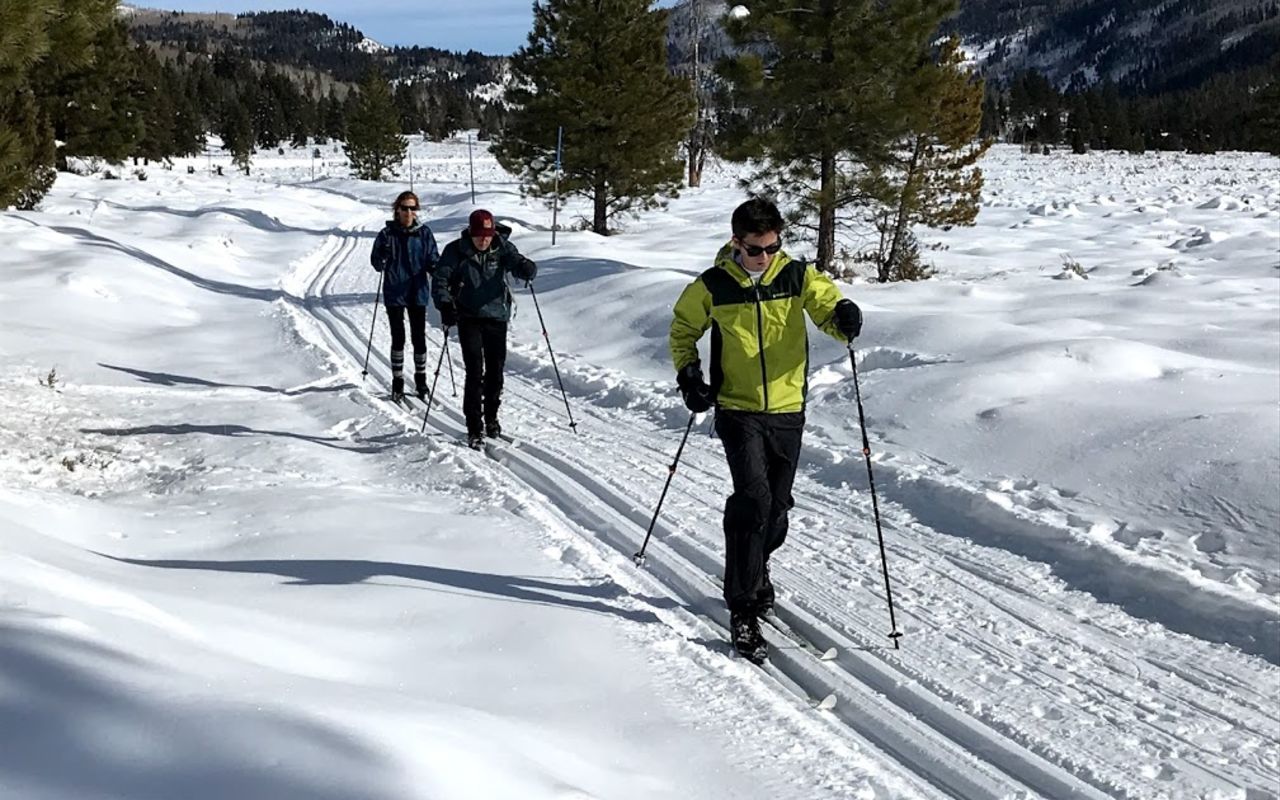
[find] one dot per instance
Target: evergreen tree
(598, 68)
(26, 151)
(96, 109)
(335, 117)
(238, 135)
(822, 92)
(40, 40)
(932, 179)
(158, 109)
(412, 120)
(1266, 127)
(374, 144)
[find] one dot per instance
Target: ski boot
(748, 641)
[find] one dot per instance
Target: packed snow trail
(1007, 684)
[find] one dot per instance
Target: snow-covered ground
(232, 569)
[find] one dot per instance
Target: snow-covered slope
(233, 569)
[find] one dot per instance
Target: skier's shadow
(510, 588)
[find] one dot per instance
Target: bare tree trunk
(697, 144)
(900, 218)
(827, 214)
(600, 222)
(697, 155)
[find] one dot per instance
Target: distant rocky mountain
(304, 40)
(1144, 46)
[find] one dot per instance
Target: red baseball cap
(480, 224)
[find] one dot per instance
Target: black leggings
(417, 327)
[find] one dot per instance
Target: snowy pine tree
(599, 69)
(374, 144)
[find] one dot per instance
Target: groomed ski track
(965, 610)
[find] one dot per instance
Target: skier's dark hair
(400, 198)
(756, 216)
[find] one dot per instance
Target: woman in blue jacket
(405, 253)
(471, 291)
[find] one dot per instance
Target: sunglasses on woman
(755, 250)
(407, 208)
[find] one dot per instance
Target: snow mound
(1224, 202)
(1057, 208)
(878, 358)
(1199, 238)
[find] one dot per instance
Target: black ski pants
(763, 451)
(484, 353)
(417, 327)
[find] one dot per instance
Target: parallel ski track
(832, 592)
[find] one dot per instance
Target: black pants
(484, 352)
(763, 451)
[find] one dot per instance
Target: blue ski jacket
(406, 257)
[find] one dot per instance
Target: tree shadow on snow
(79, 719)
(384, 443)
(337, 572)
(173, 379)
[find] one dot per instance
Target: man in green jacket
(754, 300)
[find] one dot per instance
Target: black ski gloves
(448, 316)
(695, 391)
(848, 319)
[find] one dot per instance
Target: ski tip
(827, 703)
(829, 655)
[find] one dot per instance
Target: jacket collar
(726, 262)
(396, 227)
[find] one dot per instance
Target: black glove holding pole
(694, 389)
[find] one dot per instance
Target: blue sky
(496, 27)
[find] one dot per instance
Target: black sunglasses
(407, 208)
(755, 250)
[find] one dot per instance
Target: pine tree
(96, 109)
(158, 109)
(335, 117)
(932, 179)
(374, 144)
(40, 41)
(821, 93)
(26, 151)
(238, 135)
(598, 68)
(412, 120)
(1265, 128)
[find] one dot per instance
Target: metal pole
(472, 162)
(555, 203)
(552, 351)
(444, 347)
(894, 634)
(373, 320)
(671, 473)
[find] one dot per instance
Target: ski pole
(365, 373)
(572, 424)
(671, 473)
(452, 383)
(431, 395)
(895, 634)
